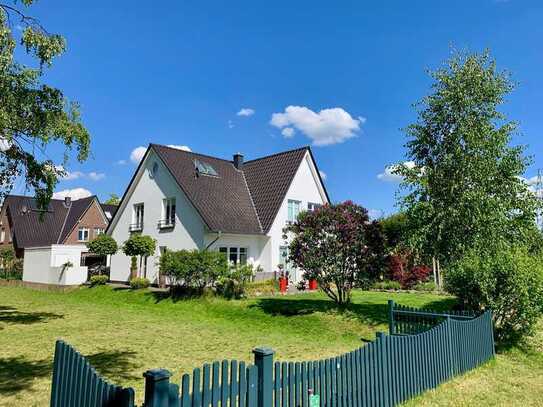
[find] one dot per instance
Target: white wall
(253, 243)
(44, 265)
(305, 187)
(188, 232)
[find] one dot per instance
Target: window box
(135, 227)
(166, 224)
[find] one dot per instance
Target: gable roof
(269, 179)
(224, 201)
(235, 201)
(58, 220)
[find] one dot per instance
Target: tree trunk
(139, 270)
(145, 268)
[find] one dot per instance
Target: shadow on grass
(115, 365)
(18, 373)
(10, 315)
(368, 313)
(178, 294)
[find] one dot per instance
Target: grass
(125, 332)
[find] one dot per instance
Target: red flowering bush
(403, 271)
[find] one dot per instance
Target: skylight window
(205, 168)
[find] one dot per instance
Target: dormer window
(204, 168)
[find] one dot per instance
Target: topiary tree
(142, 246)
(103, 245)
(338, 246)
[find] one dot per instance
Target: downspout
(219, 234)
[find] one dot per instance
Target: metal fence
(424, 348)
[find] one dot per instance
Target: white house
(186, 200)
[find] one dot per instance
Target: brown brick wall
(92, 219)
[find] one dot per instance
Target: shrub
(98, 280)
(338, 246)
(509, 282)
(428, 286)
(387, 285)
(193, 269)
(233, 285)
(139, 282)
(406, 274)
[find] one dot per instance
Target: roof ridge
(191, 152)
(252, 201)
(64, 223)
(279, 153)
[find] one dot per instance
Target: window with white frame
(98, 232)
(137, 217)
(311, 206)
(168, 212)
(235, 255)
(293, 210)
(83, 234)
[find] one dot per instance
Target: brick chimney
(238, 161)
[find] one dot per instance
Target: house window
(293, 210)
(235, 255)
(168, 212)
(98, 232)
(311, 206)
(137, 218)
(83, 234)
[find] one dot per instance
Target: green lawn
(124, 333)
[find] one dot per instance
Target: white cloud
(389, 176)
(323, 174)
(231, 124)
(76, 193)
(184, 148)
(70, 176)
(246, 111)
(121, 162)
(329, 126)
(375, 213)
(288, 132)
(137, 154)
(4, 144)
(96, 176)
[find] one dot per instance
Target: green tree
(395, 229)
(142, 246)
(338, 246)
(103, 245)
(33, 114)
(465, 189)
(7, 256)
(113, 200)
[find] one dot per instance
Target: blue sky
(179, 72)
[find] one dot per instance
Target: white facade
(153, 184)
(150, 189)
(47, 265)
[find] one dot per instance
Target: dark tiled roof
(269, 178)
(57, 222)
(112, 209)
(223, 202)
(236, 201)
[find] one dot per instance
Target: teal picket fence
(76, 383)
(424, 348)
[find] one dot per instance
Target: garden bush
(509, 282)
(138, 283)
(234, 283)
(386, 285)
(193, 269)
(428, 286)
(99, 279)
(405, 272)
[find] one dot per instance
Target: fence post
(264, 364)
(391, 317)
(157, 388)
(385, 369)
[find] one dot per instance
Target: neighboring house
(192, 201)
(47, 239)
